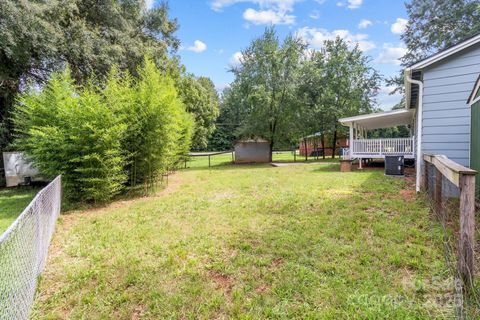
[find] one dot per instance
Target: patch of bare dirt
(138, 312)
(222, 281)
(408, 194)
(277, 262)
(262, 289)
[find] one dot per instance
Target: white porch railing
(379, 148)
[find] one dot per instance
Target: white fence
(23, 252)
(378, 148)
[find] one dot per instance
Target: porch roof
(380, 119)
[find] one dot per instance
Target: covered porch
(360, 147)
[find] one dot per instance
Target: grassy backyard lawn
(12, 203)
(278, 156)
(252, 242)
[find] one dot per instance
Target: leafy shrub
(104, 138)
(68, 131)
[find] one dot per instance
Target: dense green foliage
(104, 138)
(39, 36)
(71, 131)
(266, 79)
(228, 122)
(201, 99)
(283, 92)
(434, 25)
(428, 21)
(335, 82)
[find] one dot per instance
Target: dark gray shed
(252, 151)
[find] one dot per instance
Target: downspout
(418, 158)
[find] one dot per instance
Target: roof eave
(445, 53)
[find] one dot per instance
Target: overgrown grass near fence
(12, 203)
(449, 189)
(23, 251)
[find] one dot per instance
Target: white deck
(379, 148)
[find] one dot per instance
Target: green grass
(252, 242)
(12, 203)
(277, 156)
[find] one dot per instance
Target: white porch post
(351, 140)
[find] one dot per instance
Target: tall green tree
(434, 25)
(352, 83)
(437, 24)
(314, 116)
(231, 116)
(336, 82)
(266, 80)
(41, 36)
(201, 100)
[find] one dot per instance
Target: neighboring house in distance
(312, 145)
(436, 92)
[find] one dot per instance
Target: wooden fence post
(467, 229)
(208, 160)
(294, 155)
(425, 176)
(438, 194)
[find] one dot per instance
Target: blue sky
(213, 32)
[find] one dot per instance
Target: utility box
(18, 171)
(394, 165)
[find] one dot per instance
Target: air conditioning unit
(394, 165)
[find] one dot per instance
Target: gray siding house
(447, 84)
(437, 91)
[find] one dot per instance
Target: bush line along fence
(452, 189)
(23, 251)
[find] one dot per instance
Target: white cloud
(350, 4)
(387, 100)
(269, 12)
(198, 46)
(222, 86)
(149, 4)
(354, 4)
(281, 5)
(399, 26)
(315, 37)
(364, 23)
(267, 17)
(390, 54)
(236, 58)
(315, 15)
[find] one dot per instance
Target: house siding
(446, 114)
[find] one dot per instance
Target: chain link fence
(23, 252)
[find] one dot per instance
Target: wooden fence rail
(464, 179)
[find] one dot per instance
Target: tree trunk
(306, 150)
(323, 145)
(334, 143)
(271, 151)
